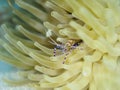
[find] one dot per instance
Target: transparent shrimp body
(65, 48)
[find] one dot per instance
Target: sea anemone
(63, 44)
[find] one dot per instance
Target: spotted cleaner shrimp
(65, 48)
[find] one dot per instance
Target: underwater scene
(59, 44)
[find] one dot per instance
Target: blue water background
(4, 67)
